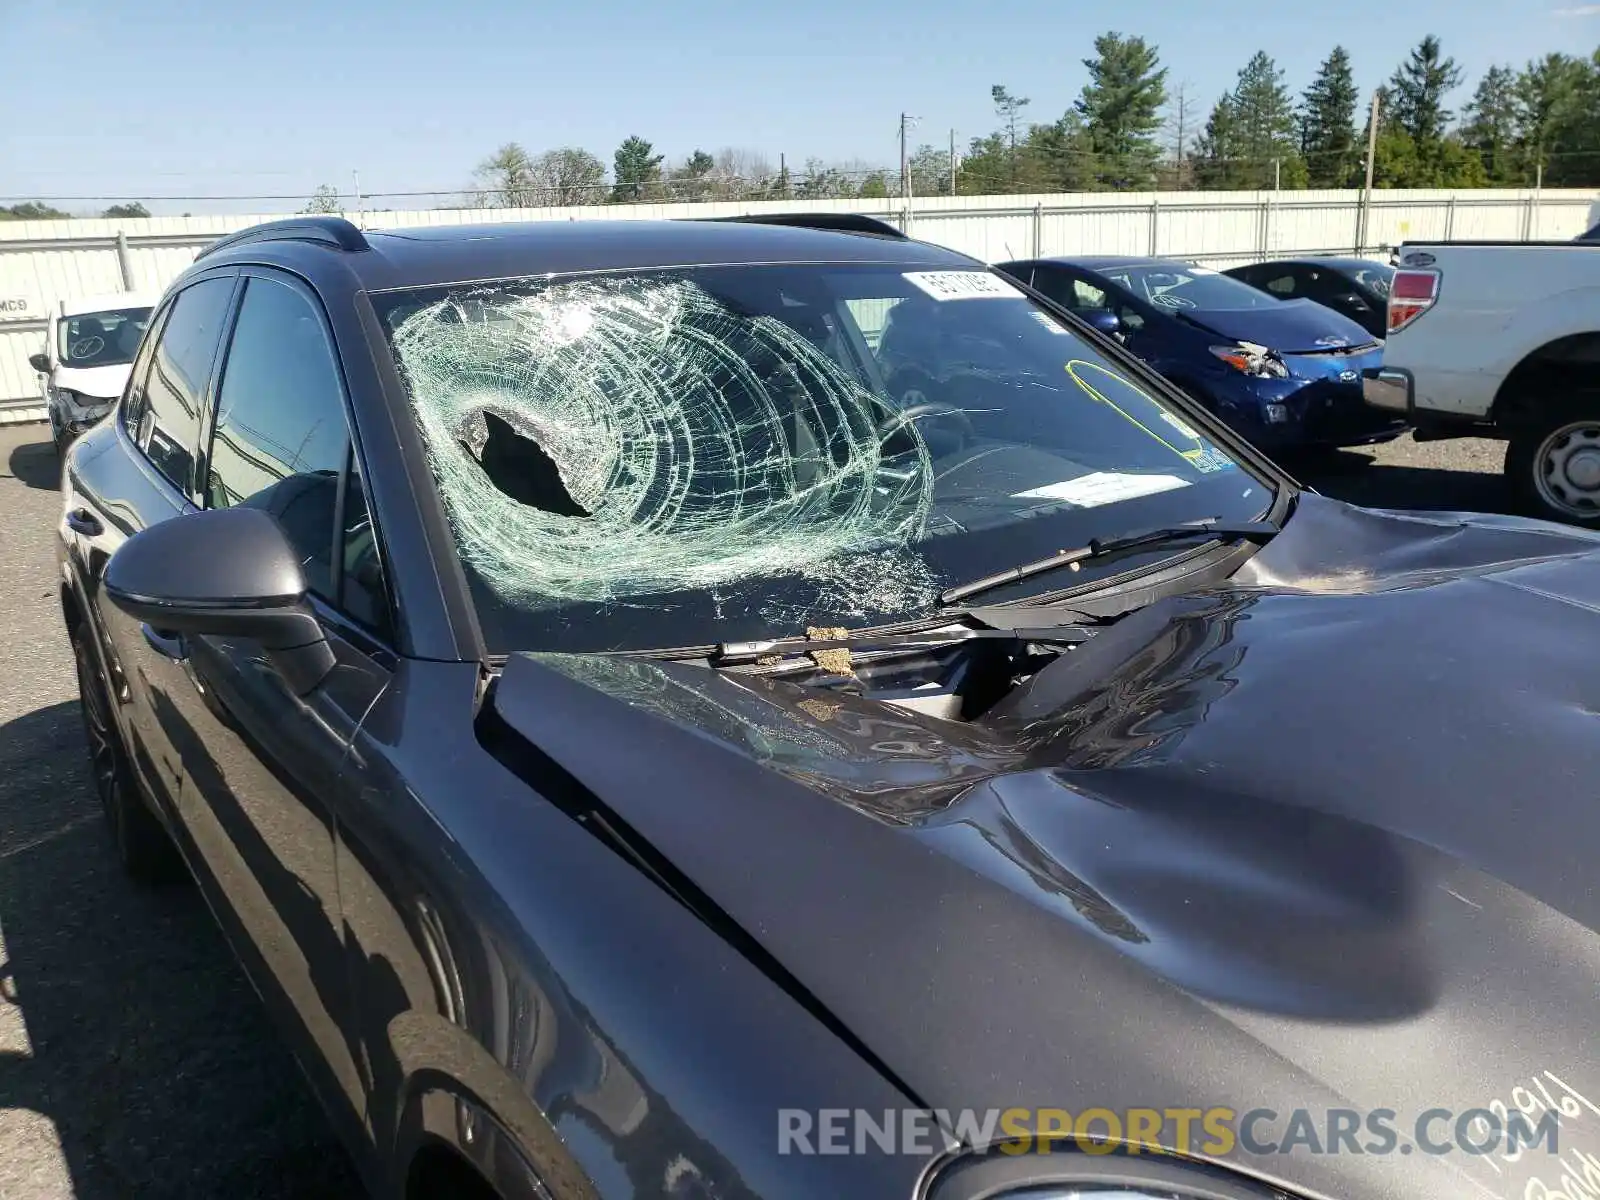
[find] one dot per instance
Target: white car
(89, 347)
(1502, 340)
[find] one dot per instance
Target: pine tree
(1327, 124)
(1575, 134)
(636, 168)
(1009, 108)
(1417, 92)
(1264, 124)
(1490, 131)
(1547, 95)
(1121, 109)
(1216, 155)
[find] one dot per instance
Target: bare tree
(1181, 127)
(324, 200)
(740, 173)
(506, 179)
(567, 176)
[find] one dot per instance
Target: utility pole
(905, 159)
(355, 180)
(1372, 156)
(952, 162)
(1277, 174)
(1533, 207)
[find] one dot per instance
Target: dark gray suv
(737, 708)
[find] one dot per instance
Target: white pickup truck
(1502, 340)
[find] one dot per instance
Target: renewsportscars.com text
(1213, 1132)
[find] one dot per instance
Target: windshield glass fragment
(662, 458)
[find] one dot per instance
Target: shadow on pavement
(1355, 478)
(36, 464)
(150, 1054)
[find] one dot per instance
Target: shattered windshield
(683, 457)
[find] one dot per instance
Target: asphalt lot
(134, 1058)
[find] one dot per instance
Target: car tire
(142, 845)
(1552, 462)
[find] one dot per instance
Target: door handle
(81, 520)
(169, 645)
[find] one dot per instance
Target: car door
(145, 477)
(261, 764)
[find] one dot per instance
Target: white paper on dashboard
(1103, 487)
(963, 285)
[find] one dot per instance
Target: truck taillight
(1411, 293)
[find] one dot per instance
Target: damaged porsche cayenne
(631, 690)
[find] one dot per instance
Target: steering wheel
(945, 428)
(1168, 300)
(87, 347)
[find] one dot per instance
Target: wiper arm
(729, 653)
(1253, 530)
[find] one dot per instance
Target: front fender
(455, 1092)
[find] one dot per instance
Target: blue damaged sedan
(1285, 374)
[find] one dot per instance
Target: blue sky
(174, 97)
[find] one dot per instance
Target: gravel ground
(134, 1058)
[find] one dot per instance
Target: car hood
(99, 383)
(1326, 837)
(1289, 326)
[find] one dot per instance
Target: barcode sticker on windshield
(962, 285)
(1103, 487)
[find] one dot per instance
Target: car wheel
(142, 845)
(1553, 463)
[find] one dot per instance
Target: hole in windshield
(520, 468)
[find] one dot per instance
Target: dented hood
(1326, 837)
(95, 384)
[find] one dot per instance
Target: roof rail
(840, 222)
(327, 231)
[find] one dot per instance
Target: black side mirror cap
(40, 362)
(230, 572)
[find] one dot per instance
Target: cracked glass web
(606, 439)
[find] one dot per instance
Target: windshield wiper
(729, 653)
(1212, 528)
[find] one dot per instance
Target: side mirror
(229, 572)
(1103, 319)
(40, 362)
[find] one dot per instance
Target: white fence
(43, 261)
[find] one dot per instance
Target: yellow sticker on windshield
(1098, 381)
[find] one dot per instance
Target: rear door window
(168, 429)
